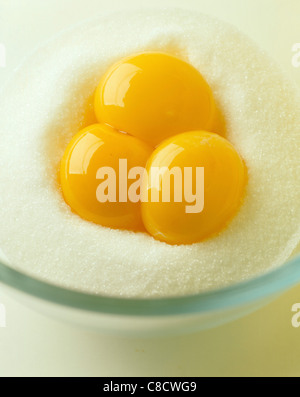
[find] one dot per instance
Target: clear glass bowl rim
(272, 283)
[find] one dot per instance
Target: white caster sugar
(41, 110)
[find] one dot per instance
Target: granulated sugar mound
(42, 108)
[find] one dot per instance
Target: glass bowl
(151, 317)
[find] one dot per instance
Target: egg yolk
(153, 96)
(90, 176)
(205, 177)
(150, 162)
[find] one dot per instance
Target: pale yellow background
(264, 343)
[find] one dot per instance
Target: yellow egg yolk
(154, 96)
(90, 176)
(139, 168)
(197, 179)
